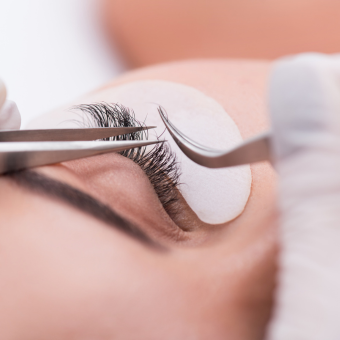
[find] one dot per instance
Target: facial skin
(65, 274)
(151, 31)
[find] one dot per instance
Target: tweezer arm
(22, 155)
(252, 150)
(80, 134)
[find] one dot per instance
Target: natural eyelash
(161, 167)
(159, 164)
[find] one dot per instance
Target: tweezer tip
(154, 141)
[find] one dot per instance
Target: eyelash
(159, 164)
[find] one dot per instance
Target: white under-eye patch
(215, 195)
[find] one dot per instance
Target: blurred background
(52, 51)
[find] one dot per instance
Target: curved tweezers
(253, 150)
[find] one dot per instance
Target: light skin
(154, 31)
(66, 274)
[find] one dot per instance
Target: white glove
(304, 105)
(9, 114)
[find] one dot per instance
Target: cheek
(157, 298)
(215, 195)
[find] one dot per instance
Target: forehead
(239, 86)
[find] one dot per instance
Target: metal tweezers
(252, 150)
(21, 149)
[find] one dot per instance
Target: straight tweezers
(21, 155)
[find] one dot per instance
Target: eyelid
(159, 165)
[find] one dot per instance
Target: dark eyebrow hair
(42, 184)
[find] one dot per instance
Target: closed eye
(159, 164)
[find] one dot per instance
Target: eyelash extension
(159, 164)
(114, 115)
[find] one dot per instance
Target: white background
(52, 51)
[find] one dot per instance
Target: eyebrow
(78, 199)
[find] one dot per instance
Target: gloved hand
(304, 103)
(9, 114)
